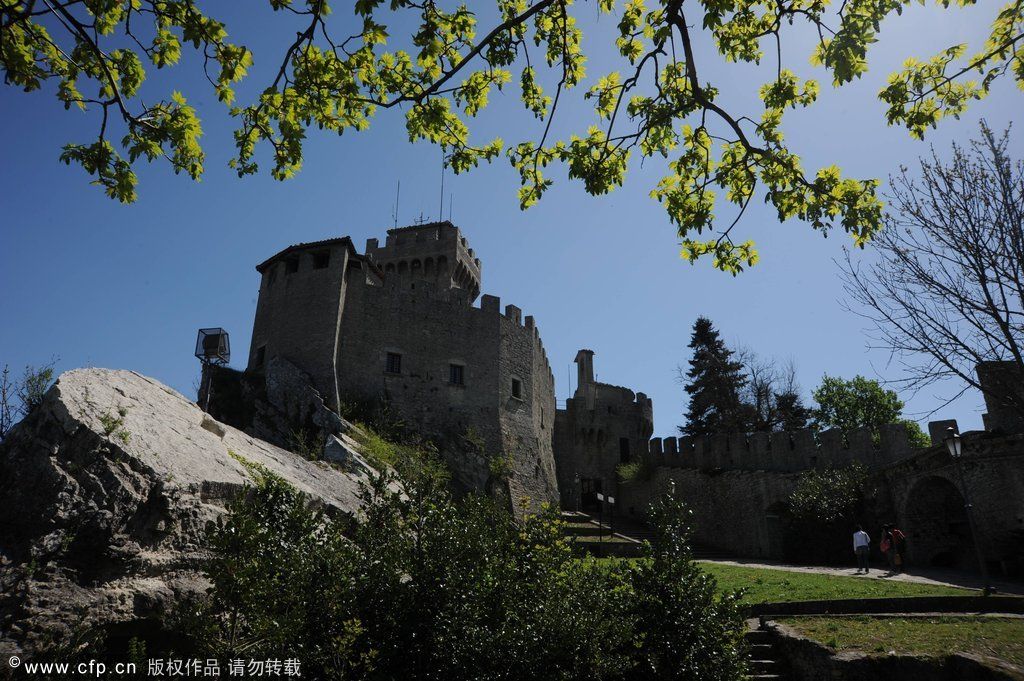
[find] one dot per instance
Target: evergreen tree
(790, 412)
(714, 383)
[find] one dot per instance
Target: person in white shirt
(861, 546)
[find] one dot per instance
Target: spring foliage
(429, 587)
(450, 65)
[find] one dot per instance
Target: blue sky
(96, 283)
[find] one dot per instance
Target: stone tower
(435, 252)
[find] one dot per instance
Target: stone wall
(926, 496)
(784, 451)
(526, 422)
(432, 328)
(741, 510)
(436, 252)
(297, 313)
(734, 511)
(337, 315)
(810, 660)
(601, 427)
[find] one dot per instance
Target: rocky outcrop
(106, 493)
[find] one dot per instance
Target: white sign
(600, 497)
(611, 500)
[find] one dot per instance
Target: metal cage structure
(213, 346)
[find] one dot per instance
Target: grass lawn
(768, 586)
(997, 637)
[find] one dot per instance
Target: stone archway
(936, 525)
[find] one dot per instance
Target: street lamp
(955, 447)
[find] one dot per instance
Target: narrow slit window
(261, 356)
(456, 374)
(321, 260)
(517, 389)
(291, 265)
(393, 364)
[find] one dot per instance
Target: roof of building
(303, 246)
(410, 228)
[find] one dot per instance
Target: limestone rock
(106, 492)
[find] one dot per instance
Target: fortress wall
(526, 422)
(782, 452)
(741, 510)
(432, 328)
(297, 314)
(602, 426)
(732, 510)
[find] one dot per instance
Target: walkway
(936, 576)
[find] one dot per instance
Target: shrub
(823, 511)
(639, 469)
(432, 587)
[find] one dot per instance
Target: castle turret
(584, 367)
(435, 252)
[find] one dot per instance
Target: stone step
(762, 651)
(758, 636)
(765, 662)
(764, 666)
(586, 530)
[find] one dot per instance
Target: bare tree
(18, 397)
(7, 398)
(947, 289)
(772, 393)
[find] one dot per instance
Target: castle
(398, 324)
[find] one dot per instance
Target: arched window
(428, 266)
(416, 267)
(403, 267)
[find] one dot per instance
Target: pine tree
(714, 383)
(790, 412)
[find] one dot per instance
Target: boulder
(106, 493)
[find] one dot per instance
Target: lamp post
(955, 447)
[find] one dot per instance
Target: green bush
(432, 587)
(823, 511)
(639, 469)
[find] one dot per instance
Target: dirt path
(918, 575)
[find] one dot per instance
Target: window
(291, 265)
(456, 374)
(321, 260)
(517, 389)
(393, 365)
(261, 355)
(271, 275)
(624, 455)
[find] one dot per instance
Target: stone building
(601, 427)
(397, 323)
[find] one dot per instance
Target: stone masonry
(398, 324)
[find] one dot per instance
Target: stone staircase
(582, 524)
(765, 664)
(597, 538)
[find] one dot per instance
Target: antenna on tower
(398, 193)
(451, 202)
(440, 212)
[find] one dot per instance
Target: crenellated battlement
(435, 251)
(784, 451)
